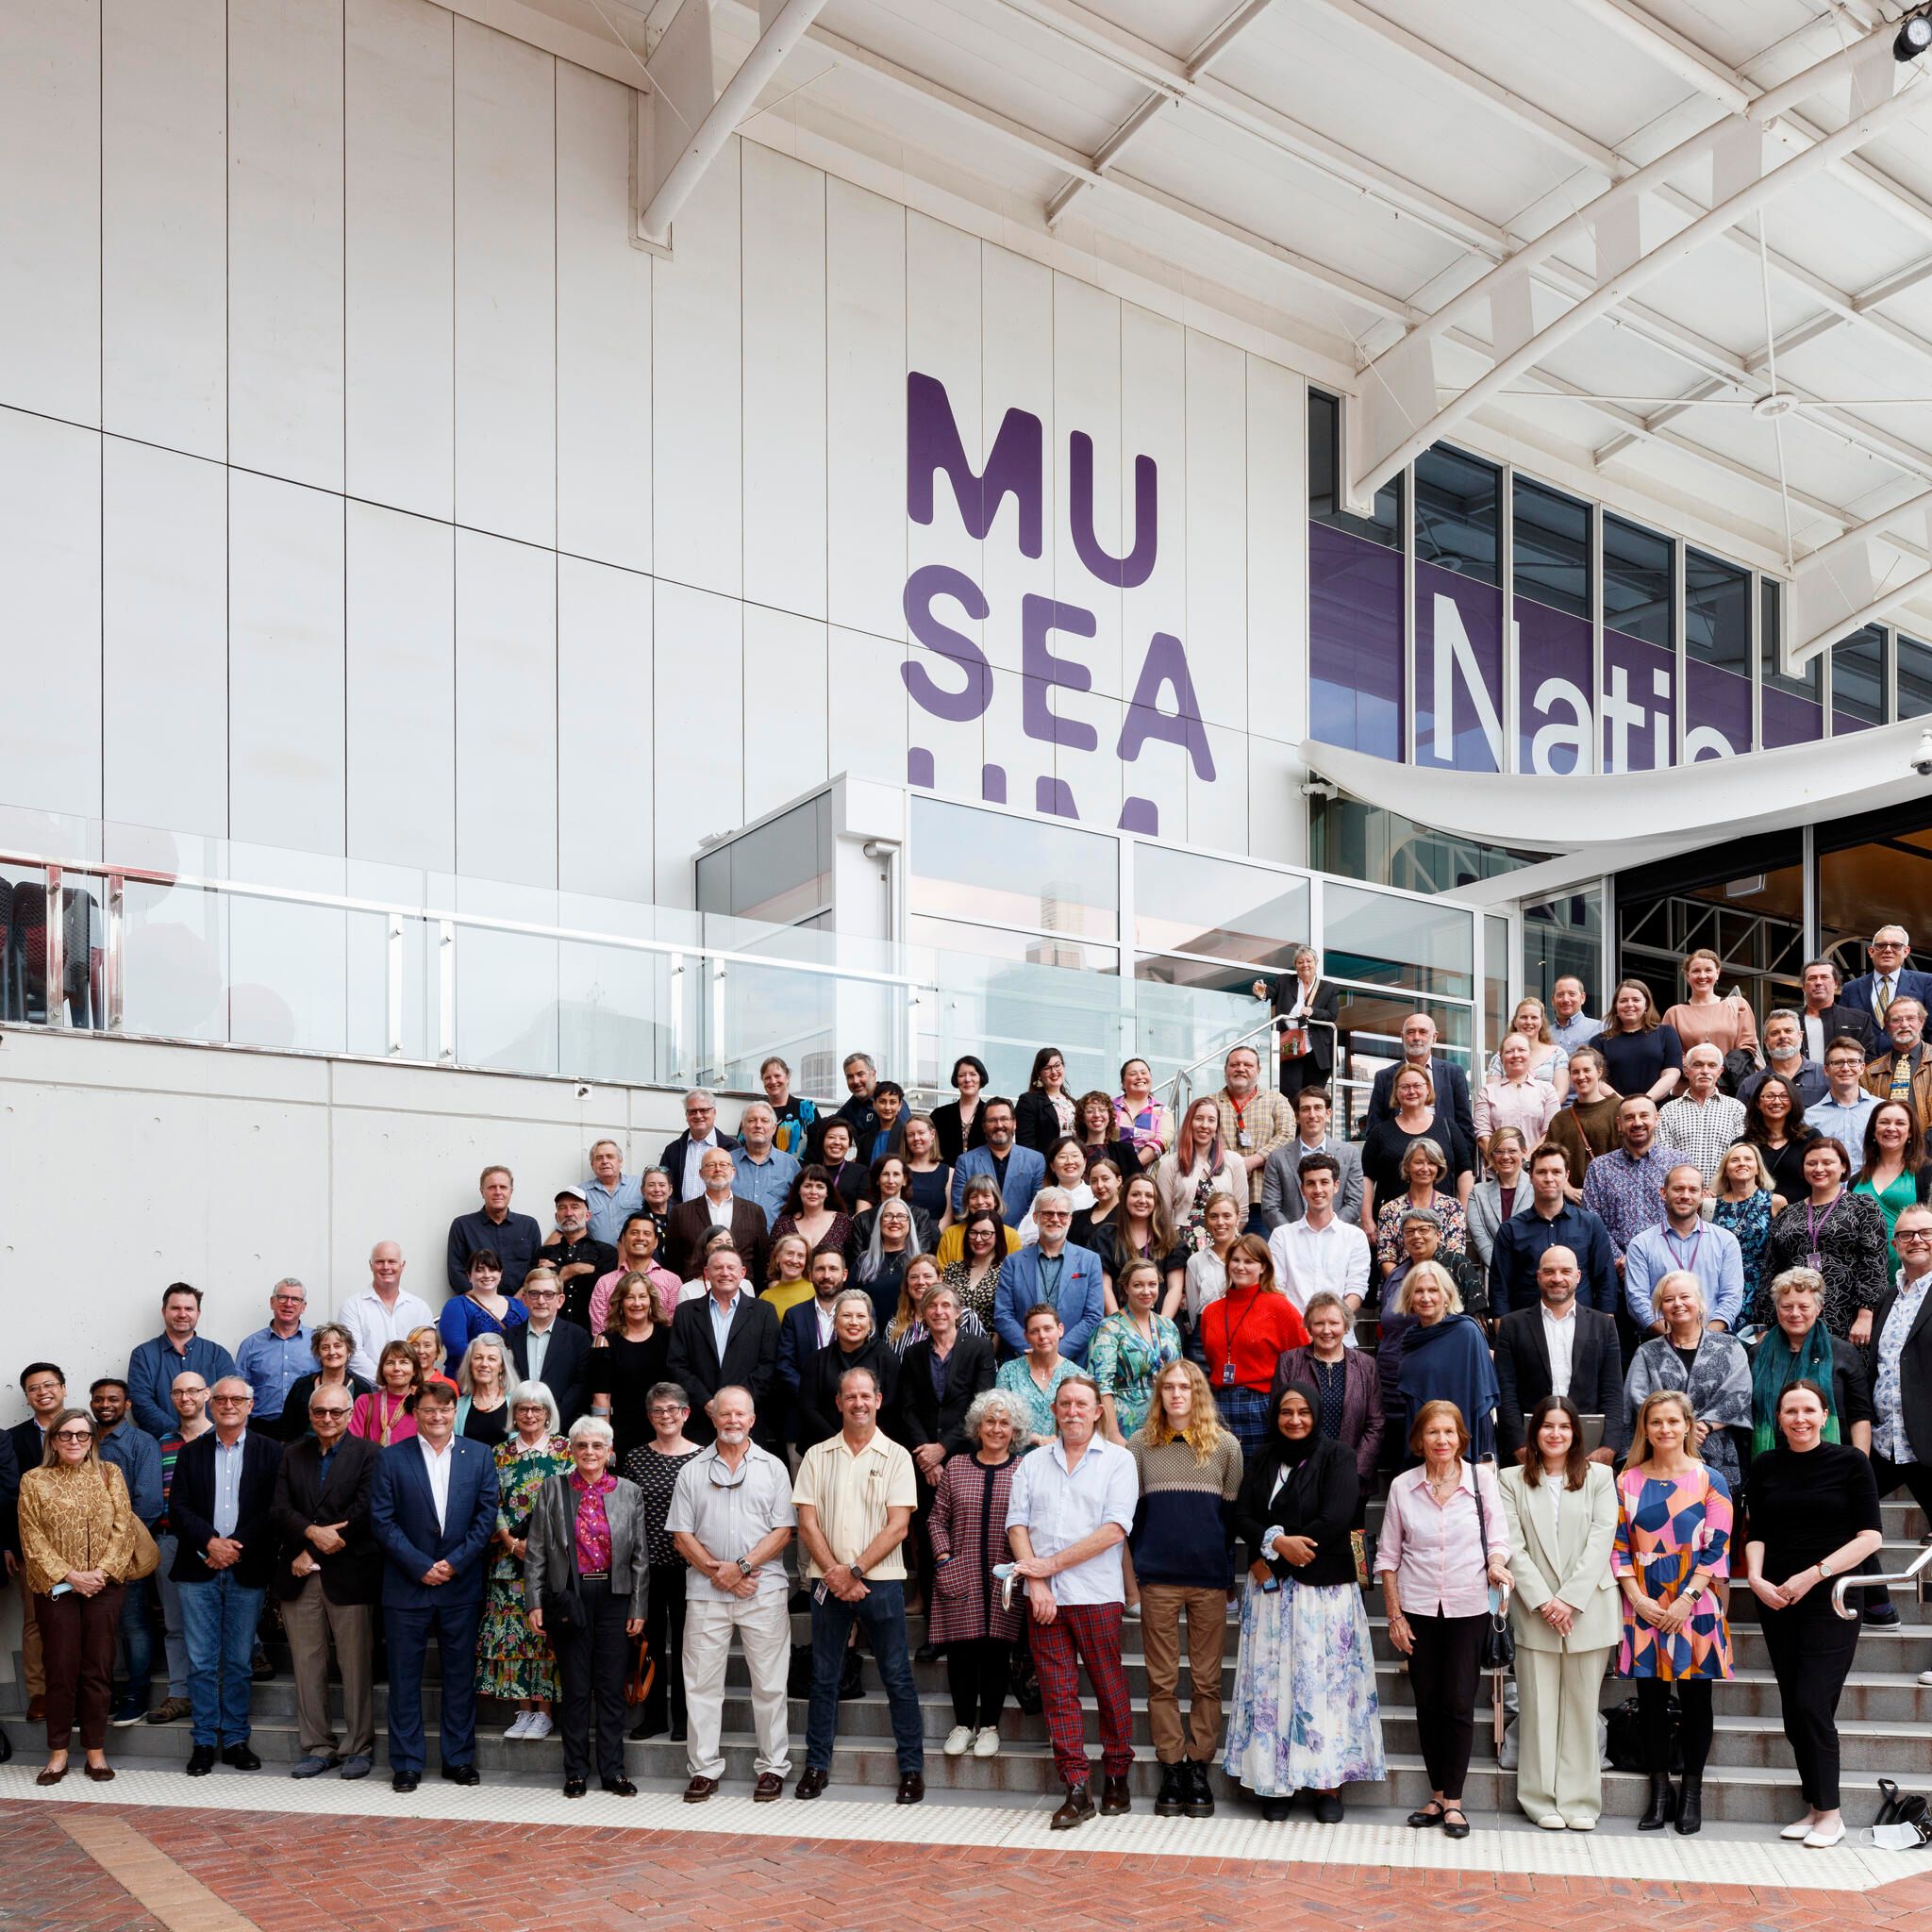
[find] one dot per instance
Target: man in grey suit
(1281, 1188)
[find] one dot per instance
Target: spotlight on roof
(1914, 37)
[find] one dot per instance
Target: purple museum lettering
(1556, 720)
(1458, 671)
(937, 580)
(1636, 707)
(1137, 566)
(1015, 466)
(1354, 642)
(1166, 663)
(1040, 617)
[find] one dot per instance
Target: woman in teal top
(1034, 1378)
(1895, 1173)
(1130, 1349)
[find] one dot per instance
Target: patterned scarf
(1777, 1367)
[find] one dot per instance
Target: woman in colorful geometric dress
(1673, 1536)
(513, 1661)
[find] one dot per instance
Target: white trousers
(763, 1624)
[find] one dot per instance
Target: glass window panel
(1456, 507)
(1177, 1023)
(1636, 583)
(1857, 681)
(1354, 642)
(174, 950)
(1792, 708)
(1391, 942)
(1495, 979)
(1371, 1034)
(1914, 679)
(1002, 942)
(1640, 649)
(1384, 526)
(779, 873)
(983, 866)
(1562, 938)
(1717, 647)
(1186, 903)
(1550, 548)
(287, 970)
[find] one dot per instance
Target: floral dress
(1750, 1221)
(512, 1660)
(1666, 1529)
(1446, 1207)
(1125, 1362)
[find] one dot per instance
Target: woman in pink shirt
(1443, 1543)
(1516, 1100)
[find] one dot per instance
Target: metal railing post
(113, 961)
(445, 992)
(677, 1019)
(394, 978)
(55, 954)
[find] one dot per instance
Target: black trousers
(592, 1661)
(1444, 1672)
(977, 1670)
(1811, 1649)
(1654, 1723)
(664, 1633)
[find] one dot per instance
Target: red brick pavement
(292, 1874)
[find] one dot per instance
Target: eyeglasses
(74, 1435)
(228, 1401)
(1052, 1214)
(314, 1410)
(1913, 1234)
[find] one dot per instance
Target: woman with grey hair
(1423, 1177)
(514, 1662)
(660, 1197)
(855, 1343)
(654, 1467)
(485, 1381)
(587, 1576)
(331, 1344)
(969, 1618)
(892, 1243)
(1706, 1364)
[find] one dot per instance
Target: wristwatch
(743, 1567)
(1822, 1568)
(857, 1574)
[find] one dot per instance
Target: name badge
(1227, 1375)
(1815, 1262)
(1243, 1139)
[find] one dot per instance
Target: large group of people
(1638, 1303)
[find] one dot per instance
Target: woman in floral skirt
(513, 1661)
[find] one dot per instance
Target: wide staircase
(1885, 1721)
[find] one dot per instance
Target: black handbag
(1498, 1646)
(1624, 1738)
(563, 1609)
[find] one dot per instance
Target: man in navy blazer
(433, 1509)
(1051, 1270)
(1419, 1048)
(1020, 1171)
(806, 1328)
(1890, 947)
(562, 1348)
(701, 1130)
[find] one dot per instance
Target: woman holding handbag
(1561, 1509)
(1444, 1543)
(79, 1542)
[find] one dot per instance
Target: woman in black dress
(1641, 1053)
(653, 1466)
(1814, 1515)
(1844, 1230)
(958, 1122)
(1775, 1125)
(627, 1360)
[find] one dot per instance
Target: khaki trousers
(1558, 1769)
(310, 1619)
(763, 1624)
(1162, 1605)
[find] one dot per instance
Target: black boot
(1175, 1786)
(1198, 1799)
(1663, 1804)
(1691, 1804)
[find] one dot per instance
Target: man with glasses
(552, 1351)
(1898, 1367)
(1843, 1115)
(273, 1358)
(328, 1577)
(1254, 1123)
(731, 1518)
(513, 1238)
(222, 1507)
(1016, 1171)
(1890, 978)
(1904, 1073)
(190, 1398)
(682, 1157)
(1054, 1270)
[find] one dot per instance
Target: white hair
(592, 1428)
(506, 1364)
(540, 1394)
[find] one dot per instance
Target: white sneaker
(539, 1726)
(1925, 1678)
(519, 1727)
(986, 1742)
(960, 1740)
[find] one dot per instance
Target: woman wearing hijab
(1305, 1715)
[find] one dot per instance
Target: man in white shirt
(1558, 1348)
(383, 1312)
(1281, 1194)
(1321, 1250)
(1071, 1507)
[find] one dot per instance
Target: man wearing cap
(577, 1258)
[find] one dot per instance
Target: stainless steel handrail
(1914, 1572)
(1264, 1029)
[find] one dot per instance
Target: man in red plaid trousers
(1072, 1505)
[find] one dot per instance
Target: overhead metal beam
(1836, 589)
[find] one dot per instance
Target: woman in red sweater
(1244, 1334)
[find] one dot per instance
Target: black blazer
(566, 1364)
(1327, 1006)
(21, 1452)
(818, 1395)
(293, 1424)
(1914, 1372)
(352, 1574)
(924, 1417)
(1327, 1513)
(751, 1358)
(1856, 1020)
(954, 1139)
(191, 1509)
(1381, 1108)
(691, 1220)
(1036, 1124)
(1522, 1374)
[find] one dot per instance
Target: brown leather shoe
(770, 1786)
(911, 1788)
(1115, 1798)
(812, 1783)
(37, 1710)
(699, 1789)
(1077, 1810)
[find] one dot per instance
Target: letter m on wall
(1015, 466)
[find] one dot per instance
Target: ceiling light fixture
(1914, 36)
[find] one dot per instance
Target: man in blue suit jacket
(805, 1330)
(1055, 1272)
(1890, 947)
(1019, 1171)
(433, 1509)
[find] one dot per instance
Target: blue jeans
(170, 1593)
(218, 1618)
(882, 1613)
(138, 1640)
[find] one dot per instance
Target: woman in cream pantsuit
(1562, 1514)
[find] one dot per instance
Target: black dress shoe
(911, 1788)
(618, 1787)
(240, 1757)
(462, 1774)
(677, 1733)
(1276, 1810)
(1197, 1801)
(1454, 1823)
(201, 1760)
(927, 1654)
(646, 1727)
(575, 1787)
(812, 1783)
(1327, 1808)
(405, 1780)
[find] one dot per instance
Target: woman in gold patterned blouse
(76, 1540)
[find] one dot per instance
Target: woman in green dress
(1895, 1173)
(513, 1661)
(1130, 1349)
